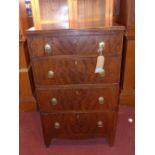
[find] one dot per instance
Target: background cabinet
(127, 18)
(72, 13)
(27, 101)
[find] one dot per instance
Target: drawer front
(60, 71)
(77, 124)
(66, 99)
(70, 45)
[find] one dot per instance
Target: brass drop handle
(50, 74)
(102, 44)
(101, 100)
(54, 101)
(48, 48)
(101, 47)
(56, 125)
(99, 124)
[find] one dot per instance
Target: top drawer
(45, 45)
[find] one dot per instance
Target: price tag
(100, 64)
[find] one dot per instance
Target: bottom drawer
(79, 125)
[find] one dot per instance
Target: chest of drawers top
(75, 42)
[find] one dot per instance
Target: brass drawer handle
(50, 74)
(56, 125)
(101, 100)
(99, 124)
(101, 47)
(48, 48)
(54, 101)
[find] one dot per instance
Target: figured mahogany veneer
(76, 45)
(74, 101)
(78, 99)
(79, 125)
(81, 68)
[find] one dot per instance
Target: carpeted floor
(31, 139)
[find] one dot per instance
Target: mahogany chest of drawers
(74, 102)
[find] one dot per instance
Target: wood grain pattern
(74, 85)
(129, 77)
(82, 99)
(24, 82)
(27, 101)
(87, 12)
(53, 10)
(76, 13)
(127, 13)
(131, 17)
(36, 13)
(76, 45)
(23, 20)
(127, 96)
(78, 125)
(24, 59)
(82, 69)
(127, 17)
(116, 10)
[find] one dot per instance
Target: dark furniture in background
(127, 18)
(27, 101)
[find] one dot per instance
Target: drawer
(84, 98)
(75, 70)
(73, 45)
(74, 125)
